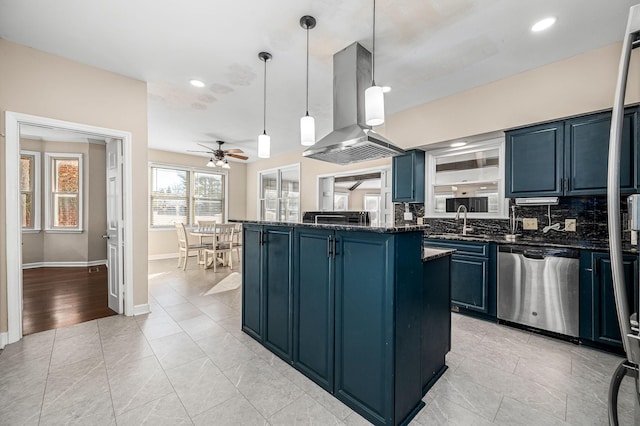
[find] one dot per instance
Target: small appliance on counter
(360, 218)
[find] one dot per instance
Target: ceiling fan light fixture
(219, 163)
(264, 140)
(211, 163)
(226, 165)
(374, 95)
(307, 123)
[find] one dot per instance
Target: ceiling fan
(218, 156)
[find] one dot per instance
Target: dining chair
(206, 225)
(237, 240)
(223, 244)
(184, 248)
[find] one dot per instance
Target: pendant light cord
(264, 106)
(307, 70)
(373, 53)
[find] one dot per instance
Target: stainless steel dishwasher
(539, 287)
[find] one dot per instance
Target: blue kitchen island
(364, 312)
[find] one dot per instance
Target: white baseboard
(80, 264)
(167, 256)
(4, 339)
(141, 309)
(163, 256)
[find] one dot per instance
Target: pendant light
(211, 163)
(307, 123)
(374, 95)
(264, 140)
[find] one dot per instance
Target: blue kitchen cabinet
(473, 275)
(598, 315)
(252, 280)
(569, 157)
(267, 286)
(408, 177)
(314, 289)
(586, 144)
(534, 161)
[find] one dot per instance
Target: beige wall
(165, 242)
(573, 86)
(72, 247)
(41, 84)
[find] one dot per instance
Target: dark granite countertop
(533, 241)
(361, 228)
(432, 253)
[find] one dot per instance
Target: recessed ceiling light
(196, 83)
(386, 89)
(543, 24)
(457, 144)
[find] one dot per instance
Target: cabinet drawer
(461, 247)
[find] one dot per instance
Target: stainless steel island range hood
(351, 140)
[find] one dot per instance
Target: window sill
(31, 231)
(64, 231)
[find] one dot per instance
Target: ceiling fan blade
(239, 157)
(206, 152)
(234, 150)
(207, 147)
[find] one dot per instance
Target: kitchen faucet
(464, 223)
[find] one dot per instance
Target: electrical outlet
(421, 221)
(530, 223)
(408, 216)
(570, 225)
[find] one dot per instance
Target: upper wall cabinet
(569, 157)
(408, 177)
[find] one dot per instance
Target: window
(471, 176)
(30, 190)
(279, 198)
(372, 205)
(185, 195)
(63, 209)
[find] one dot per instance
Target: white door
(386, 205)
(114, 225)
(325, 193)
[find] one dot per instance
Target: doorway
(121, 286)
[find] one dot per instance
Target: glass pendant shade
(307, 130)
(226, 165)
(374, 106)
(264, 146)
(219, 163)
(211, 163)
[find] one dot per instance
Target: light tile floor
(188, 363)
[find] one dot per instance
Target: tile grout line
(46, 381)
(104, 361)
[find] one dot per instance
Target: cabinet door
(408, 177)
(313, 337)
(586, 154)
(469, 282)
(606, 328)
(364, 324)
(534, 161)
(277, 282)
(251, 281)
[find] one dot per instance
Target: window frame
(190, 197)
(50, 157)
(279, 198)
(36, 198)
(430, 175)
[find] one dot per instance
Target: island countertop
(360, 228)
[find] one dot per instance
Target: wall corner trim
(141, 309)
(4, 339)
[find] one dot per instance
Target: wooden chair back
(224, 236)
(183, 240)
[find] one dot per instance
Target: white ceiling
(425, 49)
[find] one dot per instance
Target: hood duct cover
(351, 140)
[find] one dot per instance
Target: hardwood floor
(58, 297)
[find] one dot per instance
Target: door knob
(105, 237)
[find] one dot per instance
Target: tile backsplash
(590, 214)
